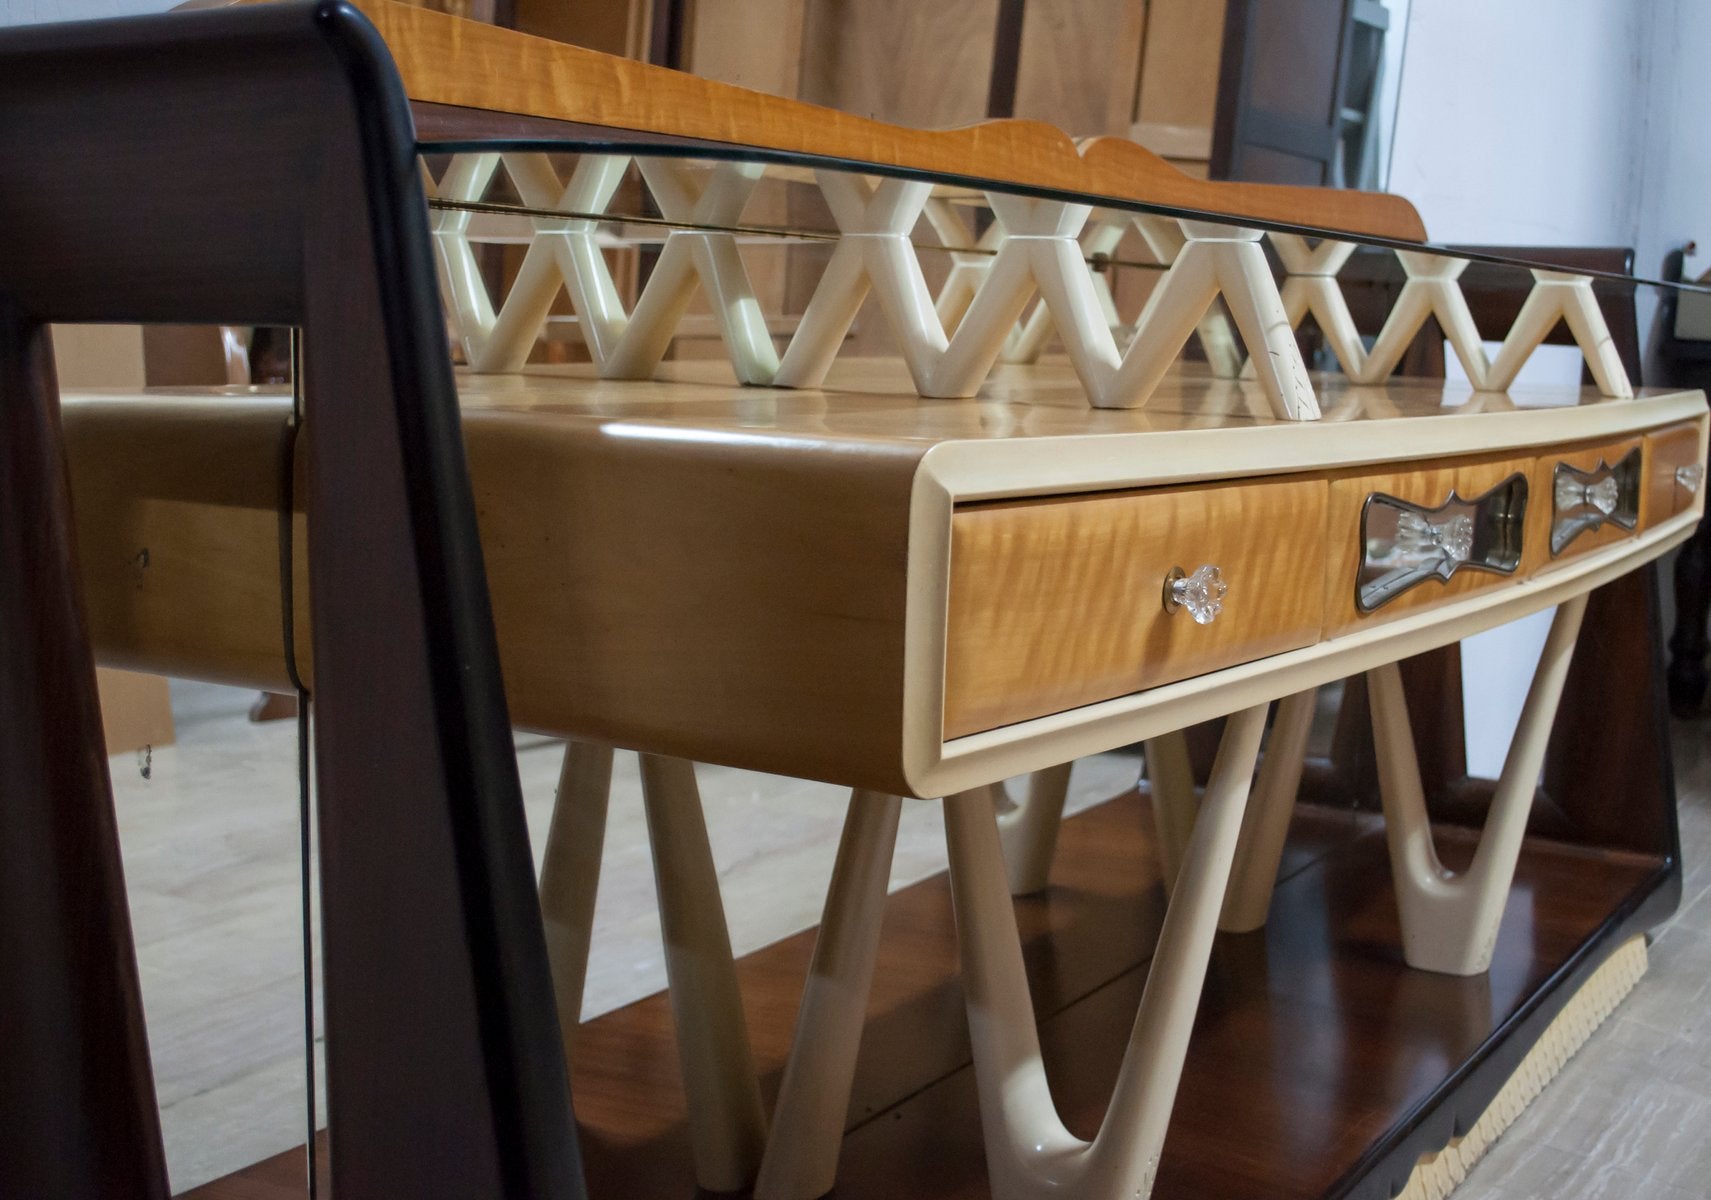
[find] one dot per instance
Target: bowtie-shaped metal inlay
(1404, 544)
(1586, 500)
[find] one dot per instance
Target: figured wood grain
(683, 564)
(1668, 450)
(1428, 485)
(1058, 603)
(689, 598)
(1585, 458)
(446, 61)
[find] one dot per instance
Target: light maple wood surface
(1662, 495)
(472, 66)
(761, 577)
(1057, 603)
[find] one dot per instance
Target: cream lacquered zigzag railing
(981, 315)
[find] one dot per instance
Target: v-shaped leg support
(1164, 236)
(1029, 830)
(697, 256)
(1214, 260)
(1030, 1154)
(562, 253)
(1449, 922)
(801, 1160)
(1265, 825)
(1175, 801)
(727, 1126)
(468, 306)
(1558, 296)
(1310, 286)
(570, 876)
(1432, 289)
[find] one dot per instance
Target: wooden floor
(1312, 1038)
(209, 834)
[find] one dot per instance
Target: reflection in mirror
(1405, 544)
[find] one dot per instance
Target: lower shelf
(1320, 1066)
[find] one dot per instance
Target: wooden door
(1280, 91)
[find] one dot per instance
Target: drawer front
(1674, 473)
(1392, 590)
(1593, 494)
(1059, 602)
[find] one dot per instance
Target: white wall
(1522, 122)
(1560, 123)
(1674, 188)
(29, 12)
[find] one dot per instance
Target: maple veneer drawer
(1059, 602)
(1592, 493)
(1363, 585)
(1672, 473)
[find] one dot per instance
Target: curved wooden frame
(494, 73)
(440, 1014)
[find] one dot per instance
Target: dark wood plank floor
(1312, 1039)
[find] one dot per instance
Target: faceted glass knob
(1690, 477)
(1201, 594)
(1604, 495)
(1420, 539)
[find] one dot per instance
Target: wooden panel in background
(1080, 64)
(497, 81)
(923, 65)
(1176, 102)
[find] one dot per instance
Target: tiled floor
(210, 839)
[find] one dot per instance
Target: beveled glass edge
(725, 153)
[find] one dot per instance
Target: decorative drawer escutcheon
(1405, 544)
(1585, 500)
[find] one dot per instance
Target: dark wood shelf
(1320, 1064)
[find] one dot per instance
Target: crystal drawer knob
(1200, 595)
(1690, 477)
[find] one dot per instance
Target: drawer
(1059, 602)
(1504, 531)
(1674, 473)
(1592, 493)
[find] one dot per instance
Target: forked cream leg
(727, 1126)
(1449, 922)
(570, 875)
(1170, 783)
(801, 1159)
(1265, 827)
(1029, 1153)
(1029, 831)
